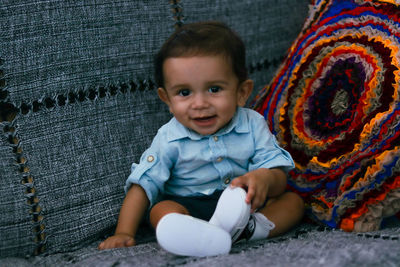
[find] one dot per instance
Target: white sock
(262, 227)
(188, 236)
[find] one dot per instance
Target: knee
(297, 202)
(162, 208)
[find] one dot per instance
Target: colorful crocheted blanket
(334, 105)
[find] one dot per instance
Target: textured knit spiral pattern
(334, 105)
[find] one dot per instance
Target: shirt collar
(239, 124)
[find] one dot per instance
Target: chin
(205, 132)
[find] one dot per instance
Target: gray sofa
(78, 105)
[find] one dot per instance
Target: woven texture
(16, 228)
(306, 245)
(78, 104)
(334, 105)
(52, 47)
(79, 76)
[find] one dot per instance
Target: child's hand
(257, 185)
(117, 241)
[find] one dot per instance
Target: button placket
(218, 150)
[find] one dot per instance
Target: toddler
(214, 174)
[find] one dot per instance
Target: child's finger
(251, 192)
(239, 182)
(258, 201)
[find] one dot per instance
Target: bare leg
(163, 208)
(284, 211)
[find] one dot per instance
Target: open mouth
(205, 118)
(205, 121)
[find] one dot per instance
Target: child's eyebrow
(178, 86)
(184, 85)
(218, 82)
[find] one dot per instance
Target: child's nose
(199, 101)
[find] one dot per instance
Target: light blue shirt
(182, 162)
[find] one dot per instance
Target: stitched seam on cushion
(380, 236)
(265, 64)
(80, 96)
(8, 116)
(177, 10)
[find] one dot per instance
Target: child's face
(202, 92)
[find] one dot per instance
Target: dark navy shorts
(201, 207)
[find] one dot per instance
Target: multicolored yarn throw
(334, 105)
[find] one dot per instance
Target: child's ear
(162, 94)
(244, 91)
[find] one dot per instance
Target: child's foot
(257, 228)
(187, 236)
(232, 212)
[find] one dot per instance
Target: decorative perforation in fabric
(79, 96)
(14, 109)
(177, 11)
(265, 64)
(9, 114)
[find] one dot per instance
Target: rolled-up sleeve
(268, 154)
(152, 171)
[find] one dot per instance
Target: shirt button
(219, 159)
(215, 138)
(227, 181)
(150, 158)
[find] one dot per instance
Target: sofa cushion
(78, 105)
(334, 105)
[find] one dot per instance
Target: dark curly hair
(203, 38)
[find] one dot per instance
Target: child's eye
(214, 89)
(184, 92)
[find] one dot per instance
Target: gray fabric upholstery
(78, 105)
(306, 245)
(54, 47)
(79, 76)
(15, 220)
